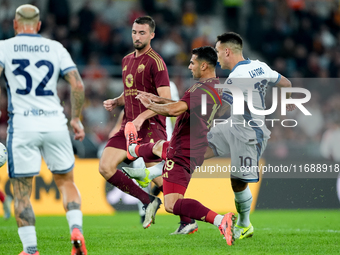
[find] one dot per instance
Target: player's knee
(106, 168)
(169, 204)
(238, 185)
(157, 148)
(61, 179)
(169, 207)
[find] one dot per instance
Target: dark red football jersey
(189, 139)
(146, 73)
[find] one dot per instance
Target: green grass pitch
(276, 232)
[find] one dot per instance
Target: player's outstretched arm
(156, 99)
(170, 110)
(285, 83)
(77, 101)
(164, 92)
(223, 109)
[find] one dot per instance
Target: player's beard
(140, 46)
(197, 75)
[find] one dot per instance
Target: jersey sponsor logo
(130, 92)
(125, 68)
(39, 112)
(129, 80)
(141, 68)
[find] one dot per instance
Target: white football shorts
(25, 150)
(244, 156)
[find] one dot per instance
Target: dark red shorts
(148, 136)
(170, 187)
(175, 174)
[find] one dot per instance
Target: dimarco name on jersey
(31, 48)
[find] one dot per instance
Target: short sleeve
(274, 77)
(160, 74)
(186, 98)
(193, 97)
(2, 55)
(66, 62)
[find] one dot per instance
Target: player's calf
(157, 149)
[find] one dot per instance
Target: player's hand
(290, 107)
(78, 129)
(146, 101)
(110, 104)
(151, 96)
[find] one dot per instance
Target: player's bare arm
(111, 104)
(170, 110)
(223, 109)
(285, 83)
(22, 188)
(77, 101)
(164, 92)
(156, 99)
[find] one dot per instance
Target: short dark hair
(230, 37)
(146, 20)
(206, 53)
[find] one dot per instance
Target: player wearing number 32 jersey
(32, 65)
(37, 125)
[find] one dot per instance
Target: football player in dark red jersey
(189, 142)
(143, 70)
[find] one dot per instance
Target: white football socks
(28, 239)
(132, 148)
(156, 170)
(243, 200)
(218, 220)
(75, 220)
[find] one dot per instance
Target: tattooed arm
(77, 101)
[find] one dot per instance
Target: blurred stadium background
(298, 38)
